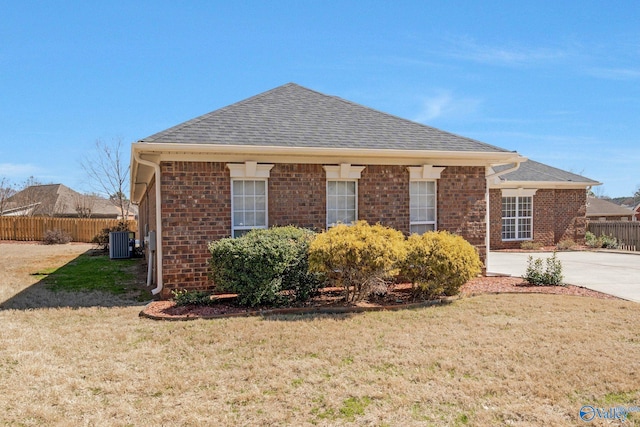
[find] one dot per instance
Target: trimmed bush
(186, 297)
(359, 258)
(56, 237)
(538, 275)
(439, 263)
(102, 238)
(262, 264)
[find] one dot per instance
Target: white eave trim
(546, 185)
(174, 151)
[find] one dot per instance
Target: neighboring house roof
(598, 208)
(57, 200)
(293, 124)
(532, 174)
(294, 116)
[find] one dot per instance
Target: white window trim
(249, 170)
(425, 173)
(266, 207)
(435, 190)
(518, 194)
(328, 225)
(342, 172)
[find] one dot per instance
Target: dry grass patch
(487, 360)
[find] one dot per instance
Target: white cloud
(616, 73)
(17, 171)
(514, 55)
(444, 105)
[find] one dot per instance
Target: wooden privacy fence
(33, 228)
(627, 233)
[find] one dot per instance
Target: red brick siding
(461, 204)
(297, 195)
(557, 215)
(383, 196)
(196, 209)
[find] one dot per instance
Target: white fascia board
(543, 185)
(318, 155)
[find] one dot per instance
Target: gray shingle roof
(539, 172)
(294, 116)
(600, 207)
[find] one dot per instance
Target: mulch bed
(330, 300)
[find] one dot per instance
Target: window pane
(238, 188)
(261, 218)
(260, 188)
(332, 188)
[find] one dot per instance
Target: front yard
(486, 360)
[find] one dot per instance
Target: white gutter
(156, 168)
(487, 236)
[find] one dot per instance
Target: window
(517, 218)
(342, 193)
(341, 202)
(422, 205)
(249, 205)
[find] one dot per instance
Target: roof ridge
(205, 116)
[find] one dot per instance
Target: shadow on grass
(89, 280)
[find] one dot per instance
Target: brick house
(295, 156)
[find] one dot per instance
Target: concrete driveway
(613, 273)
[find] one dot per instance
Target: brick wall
(196, 206)
(461, 204)
(383, 196)
(558, 215)
(196, 209)
(297, 195)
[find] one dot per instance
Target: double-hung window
(249, 198)
(517, 217)
(423, 198)
(249, 205)
(422, 206)
(342, 193)
(342, 202)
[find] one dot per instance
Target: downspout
(487, 234)
(156, 168)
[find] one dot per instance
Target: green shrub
(538, 275)
(439, 263)
(530, 245)
(358, 257)
(102, 238)
(262, 264)
(56, 237)
(185, 297)
(603, 241)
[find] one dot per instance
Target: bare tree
(108, 170)
(29, 196)
(6, 190)
(84, 205)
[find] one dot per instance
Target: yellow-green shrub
(439, 263)
(357, 257)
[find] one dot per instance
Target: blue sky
(557, 81)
